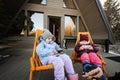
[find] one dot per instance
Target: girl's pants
(91, 57)
(60, 62)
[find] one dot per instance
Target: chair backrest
(36, 41)
(74, 54)
(89, 36)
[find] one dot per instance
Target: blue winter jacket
(45, 49)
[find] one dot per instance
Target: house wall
(87, 13)
(53, 8)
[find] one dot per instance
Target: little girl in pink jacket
(86, 51)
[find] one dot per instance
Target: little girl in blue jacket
(47, 51)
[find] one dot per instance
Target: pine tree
(112, 9)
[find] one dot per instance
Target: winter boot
(86, 66)
(72, 77)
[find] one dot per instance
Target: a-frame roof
(95, 18)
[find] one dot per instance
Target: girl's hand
(81, 48)
(55, 52)
(90, 48)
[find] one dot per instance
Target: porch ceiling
(93, 18)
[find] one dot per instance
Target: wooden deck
(17, 66)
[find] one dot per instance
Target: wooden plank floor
(17, 66)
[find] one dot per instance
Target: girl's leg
(68, 63)
(85, 57)
(58, 67)
(94, 59)
(86, 62)
(71, 75)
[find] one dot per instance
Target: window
(81, 25)
(64, 5)
(70, 26)
(43, 2)
(69, 4)
(37, 19)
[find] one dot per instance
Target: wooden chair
(74, 54)
(35, 63)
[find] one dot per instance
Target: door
(55, 27)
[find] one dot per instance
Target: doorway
(55, 27)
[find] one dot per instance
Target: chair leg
(31, 75)
(105, 71)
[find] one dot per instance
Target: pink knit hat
(83, 37)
